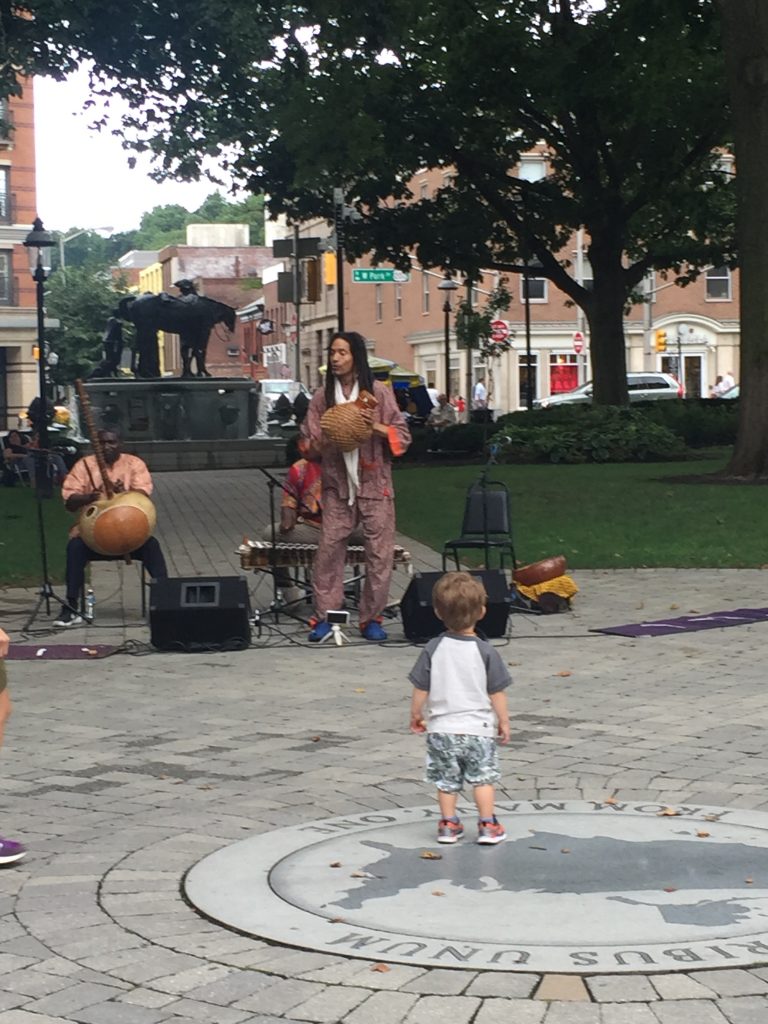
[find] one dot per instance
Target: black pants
(79, 555)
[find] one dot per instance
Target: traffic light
(661, 341)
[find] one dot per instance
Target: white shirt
(480, 394)
(433, 395)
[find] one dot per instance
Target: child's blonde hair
(459, 600)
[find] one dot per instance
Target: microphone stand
(46, 592)
(273, 483)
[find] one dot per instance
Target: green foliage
(607, 434)
(473, 327)
(628, 98)
(700, 422)
(82, 300)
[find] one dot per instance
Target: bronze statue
(191, 317)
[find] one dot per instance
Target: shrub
(701, 422)
(600, 434)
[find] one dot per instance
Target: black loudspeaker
(420, 621)
(199, 613)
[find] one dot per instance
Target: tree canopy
(628, 101)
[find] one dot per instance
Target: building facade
(18, 209)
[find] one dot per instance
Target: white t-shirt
(433, 395)
(459, 672)
(480, 393)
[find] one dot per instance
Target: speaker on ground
(199, 613)
(418, 615)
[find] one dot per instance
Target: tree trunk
(605, 316)
(746, 52)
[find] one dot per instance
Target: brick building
(405, 322)
(18, 209)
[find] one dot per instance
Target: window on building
(563, 372)
(424, 292)
(532, 168)
(523, 371)
(5, 124)
(398, 301)
(6, 284)
(718, 283)
(379, 302)
(424, 190)
(448, 178)
(536, 289)
(5, 195)
(430, 373)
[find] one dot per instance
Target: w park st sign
(379, 275)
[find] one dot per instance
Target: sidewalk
(121, 774)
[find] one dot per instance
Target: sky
(83, 178)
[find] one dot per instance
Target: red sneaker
(449, 831)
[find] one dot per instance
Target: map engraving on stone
(577, 886)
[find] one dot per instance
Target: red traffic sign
(499, 330)
(578, 342)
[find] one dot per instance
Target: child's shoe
(449, 831)
(490, 832)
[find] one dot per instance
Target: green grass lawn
(600, 516)
(20, 562)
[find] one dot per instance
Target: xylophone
(258, 554)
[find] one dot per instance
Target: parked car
(643, 387)
(273, 387)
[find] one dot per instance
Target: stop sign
(499, 330)
(578, 342)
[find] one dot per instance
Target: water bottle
(90, 603)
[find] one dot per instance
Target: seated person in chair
(443, 415)
(15, 455)
(82, 487)
(300, 517)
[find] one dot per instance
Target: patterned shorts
(453, 760)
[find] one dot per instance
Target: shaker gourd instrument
(116, 524)
(344, 426)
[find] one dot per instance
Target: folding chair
(487, 524)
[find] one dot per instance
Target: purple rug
(689, 623)
(59, 652)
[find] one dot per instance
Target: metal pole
(297, 302)
(338, 217)
(470, 355)
(680, 379)
(42, 479)
(447, 346)
(527, 304)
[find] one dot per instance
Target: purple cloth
(689, 623)
(59, 652)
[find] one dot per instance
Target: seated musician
(300, 517)
(82, 487)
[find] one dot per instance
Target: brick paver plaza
(122, 774)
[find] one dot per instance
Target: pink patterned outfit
(373, 507)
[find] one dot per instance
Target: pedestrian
(10, 850)
(459, 683)
(480, 396)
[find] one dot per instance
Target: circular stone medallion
(577, 887)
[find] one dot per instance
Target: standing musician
(82, 487)
(356, 486)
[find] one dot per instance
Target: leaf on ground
(610, 800)
(565, 850)
(438, 892)
(668, 812)
(430, 855)
(670, 888)
(359, 689)
(360, 874)
(564, 673)
(749, 881)
(381, 968)
(335, 864)
(674, 607)
(338, 920)
(711, 817)
(702, 835)
(314, 739)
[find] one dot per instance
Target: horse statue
(191, 317)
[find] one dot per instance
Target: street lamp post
(39, 244)
(447, 285)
